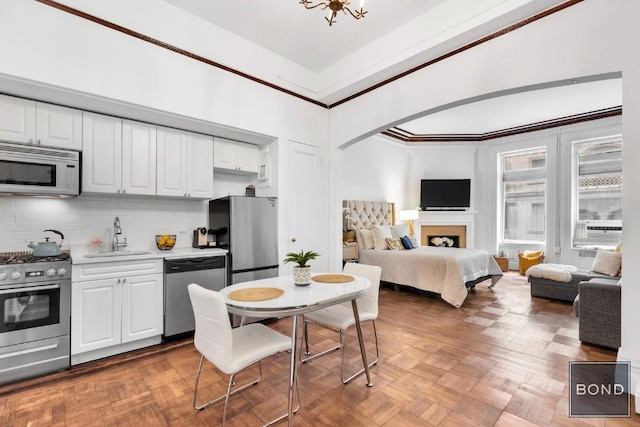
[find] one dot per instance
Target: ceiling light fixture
(334, 7)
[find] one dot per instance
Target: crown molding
(411, 138)
(196, 57)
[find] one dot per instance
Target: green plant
(301, 258)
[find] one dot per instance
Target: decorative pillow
(607, 262)
(399, 230)
(365, 239)
(407, 243)
(380, 234)
(394, 243)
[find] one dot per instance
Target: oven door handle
(29, 289)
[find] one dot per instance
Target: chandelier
(334, 7)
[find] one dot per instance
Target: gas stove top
(23, 268)
(27, 257)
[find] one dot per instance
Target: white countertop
(78, 254)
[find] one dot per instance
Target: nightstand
(349, 253)
(503, 262)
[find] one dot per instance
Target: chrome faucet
(116, 244)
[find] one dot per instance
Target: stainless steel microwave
(38, 171)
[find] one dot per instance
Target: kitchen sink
(116, 254)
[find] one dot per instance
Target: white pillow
(607, 262)
(380, 234)
(399, 230)
(365, 239)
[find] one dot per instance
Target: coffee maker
(200, 238)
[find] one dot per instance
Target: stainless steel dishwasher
(208, 272)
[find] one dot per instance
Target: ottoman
(558, 281)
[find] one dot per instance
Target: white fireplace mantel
(466, 218)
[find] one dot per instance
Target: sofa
(598, 309)
(558, 281)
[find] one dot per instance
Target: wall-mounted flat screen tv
(445, 194)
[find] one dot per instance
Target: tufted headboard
(363, 214)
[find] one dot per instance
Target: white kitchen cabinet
(185, 164)
(58, 126)
(138, 158)
(17, 119)
(96, 315)
(29, 122)
(101, 154)
(142, 307)
(199, 166)
(119, 156)
(115, 307)
(235, 157)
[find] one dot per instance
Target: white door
(101, 154)
(142, 308)
(58, 126)
(138, 158)
(171, 178)
(199, 166)
(96, 314)
(307, 215)
(17, 119)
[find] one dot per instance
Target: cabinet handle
(124, 280)
(124, 191)
(39, 143)
(30, 140)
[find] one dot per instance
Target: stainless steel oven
(41, 171)
(35, 315)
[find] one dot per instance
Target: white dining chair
(339, 317)
(230, 350)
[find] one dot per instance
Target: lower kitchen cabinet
(112, 315)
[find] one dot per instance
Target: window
(597, 183)
(524, 184)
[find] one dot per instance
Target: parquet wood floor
(501, 359)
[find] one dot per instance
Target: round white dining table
(298, 300)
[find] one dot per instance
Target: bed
(446, 271)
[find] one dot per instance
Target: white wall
(380, 169)
(440, 161)
(377, 169)
(630, 349)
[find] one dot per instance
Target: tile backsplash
(91, 216)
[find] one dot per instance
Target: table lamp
(409, 216)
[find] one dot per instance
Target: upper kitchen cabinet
(119, 156)
(235, 157)
(58, 126)
(138, 158)
(185, 164)
(30, 122)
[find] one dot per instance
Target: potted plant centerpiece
(302, 271)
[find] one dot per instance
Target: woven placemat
(256, 294)
(333, 278)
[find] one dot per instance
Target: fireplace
(446, 235)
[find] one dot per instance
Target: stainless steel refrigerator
(248, 228)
